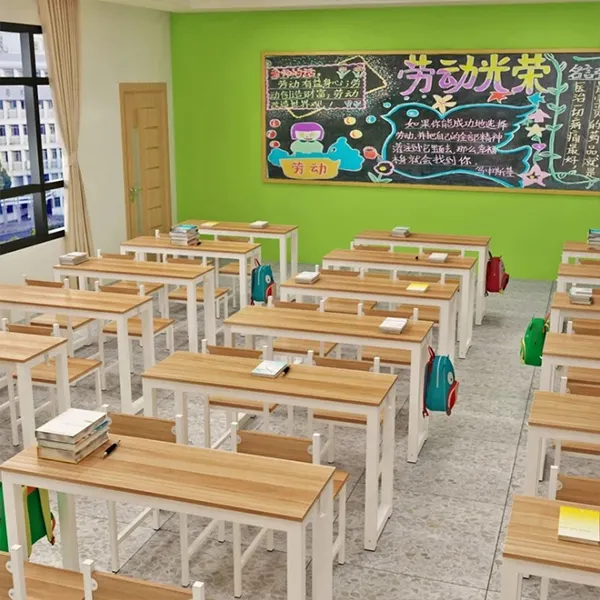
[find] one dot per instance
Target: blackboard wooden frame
(467, 188)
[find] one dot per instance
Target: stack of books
(393, 325)
(184, 235)
(438, 257)
(271, 368)
(259, 224)
(308, 277)
(579, 525)
(72, 435)
(417, 286)
(580, 295)
(594, 238)
(401, 231)
(73, 258)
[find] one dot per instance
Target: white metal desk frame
(559, 315)
(25, 387)
(466, 291)
(264, 235)
(196, 252)
(417, 423)
(563, 281)
(207, 280)
(321, 515)
(448, 309)
(127, 404)
(377, 512)
(577, 255)
(483, 253)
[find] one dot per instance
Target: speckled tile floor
(444, 539)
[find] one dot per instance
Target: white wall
(119, 44)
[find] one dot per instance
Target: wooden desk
(561, 309)
(443, 296)
(272, 232)
(167, 274)
(571, 274)
(346, 329)
(464, 243)
(577, 250)
(464, 268)
(161, 246)
(22, 352)
(308, 386)
(531, 546)
(254, 490)
(559, 417)
(81, 303)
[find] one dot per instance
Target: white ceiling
(239, 5)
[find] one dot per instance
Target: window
(32, 206)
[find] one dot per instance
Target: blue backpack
(262, 283)
(441, 387)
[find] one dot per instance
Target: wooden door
(144, 124)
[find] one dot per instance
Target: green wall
(217, 100)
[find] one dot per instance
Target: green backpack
(532, 344)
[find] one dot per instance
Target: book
(69, 456)
(580, 295)
(307, 277)
(209, 224)
(579, 525)
(71, 425)
(417, 286)
(83, 443)
(393, 325)
(73, 258)
(401, 231)
(259, 224)
(270, 368)
(438, 257)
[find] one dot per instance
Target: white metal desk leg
(147, 336)
(181, 408)
(243, 282)
(454, 324)
(510, 581)
(445, 345)
(296, 563)
(15, 512)
(481, 277)
(149, 394)
(471, 286)
(322, 546)
(372, 480)
(192, 314)
(387, 451)
(210, 322)
(67, 520)
(17, 568)
(283, 265)
(294, 245)
(62, 380)
(417, 423)
(227, 335)
(555, 321)
(532, 462)
(25, 392)
(123, 353)
(561, 284)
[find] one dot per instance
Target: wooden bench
(583, 381)
(586, 326)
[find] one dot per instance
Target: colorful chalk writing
(526, 120)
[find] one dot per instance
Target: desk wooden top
(53, 299)
(139, 267)
(565, 411)
(582, 271)
(201, 476)
(302, 381)
(385, 287)
(560, 301)
(396, 258)
(580, 247)
(572, 346)
(418, 239)
(22, 347)
(237, 227)
(207, 246)
(532, 535)
(322, 323)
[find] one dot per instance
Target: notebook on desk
(270, 368)
(417, 286)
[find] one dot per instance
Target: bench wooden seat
(426, 313)
(293, 346)
(347, 305)
(239, 404)
(581, 490)
(134, 326)
(583, 381)
(581, 448)
(233, 268)
(388, 356)
(77, 368)
(180, 294)
(408, 277)
(341, 417)
(62, 320)
(132, 286)
(586, 326)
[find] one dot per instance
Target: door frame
(161, 87)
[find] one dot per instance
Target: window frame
(31, 82)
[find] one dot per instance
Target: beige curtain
(60, 21)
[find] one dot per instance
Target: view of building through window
(32, 195)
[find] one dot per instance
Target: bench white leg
(270, 540)
(342, 525)
(207, 431)
(101, 353)
(184, 548)
(237, 560)
(290, 419)
(12, 407)
(115, 563)
(98, 386)
(331, 445)
(511, 582)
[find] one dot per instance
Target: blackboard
(526, 120)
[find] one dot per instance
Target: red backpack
(496, 278)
